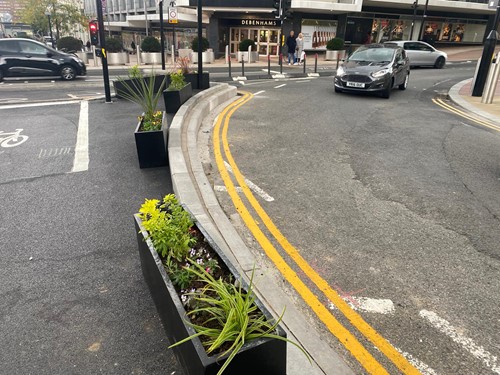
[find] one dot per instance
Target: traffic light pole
(104, 53)
(487, 56)
(162, 37)
(200, 46)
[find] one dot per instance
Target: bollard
(316, 63)
(281, 63)
(249, 54)
(173, 55)
(94, 56)
(491, 84)
(242, 66)
(268, 65)
(226, 55)
(229, 66)
(305, 59)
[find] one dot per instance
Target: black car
(25, 57)
(374, 68)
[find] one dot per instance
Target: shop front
(264, 32)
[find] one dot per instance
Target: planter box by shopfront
(207, 57)
(264, 356)
(334, 55)
(192, 78)
(151, 58)
(123, 86)
(254, 56)
(152, 145)
(117, 58)
(175, 98)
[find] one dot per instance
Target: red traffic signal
(94, 33)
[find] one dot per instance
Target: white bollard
(491, 84)
(227, 57)
(173, 56)
(249, 54)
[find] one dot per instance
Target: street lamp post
(200, 45)
(47, 13)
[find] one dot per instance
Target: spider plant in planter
(177, 92)
(213, 317)
(151, 131)
(131, 83)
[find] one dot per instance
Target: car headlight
(380, 73)
(340, 71)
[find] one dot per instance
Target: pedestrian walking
(88, 45)
(132, 47)
(291, 45)
(300, 48)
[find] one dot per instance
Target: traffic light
(94, 33)
(287, 8)
(277, 9)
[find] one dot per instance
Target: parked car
(422, 53)
(25, 57)
(374, 68)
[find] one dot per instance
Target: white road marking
(46, 104)
(259, 92)
(72, 96)
(419, 365)
(371, 305)
(261, 193)
(81, 161)
(271, 71)
(223, 189)
(279, 86)
(307, 80)
(13, 100)
(467, 343)
(438, 83)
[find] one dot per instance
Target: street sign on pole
(172, 15)
(493, 4)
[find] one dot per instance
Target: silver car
(421, 53)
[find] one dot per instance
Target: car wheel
(68, 73)
(439, 64)
(386, 93)
(404, 85)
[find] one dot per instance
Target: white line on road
(223, 189)
(307, 80)
(81, 161)
(38, 104)
(371, 305)
(420, 366)
(467, 343)
(259, 92)
(252, 186)
(72, 96)
(279, 86)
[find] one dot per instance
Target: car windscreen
(373, 54)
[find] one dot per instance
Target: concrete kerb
(454, 95)
(194, 190)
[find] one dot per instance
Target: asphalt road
(393, 202)
(73, 299)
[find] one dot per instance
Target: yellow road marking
(355, 348)
(470, 117)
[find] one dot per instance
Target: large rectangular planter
(152, 146)
(175, 98)
(120, 86)
(261, 356)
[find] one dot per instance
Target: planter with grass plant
(210, 314)
(151, 51)
(243, 51)
(335, 49)
(115, 53)
(131, 83)
(151, 133)
(177, 93)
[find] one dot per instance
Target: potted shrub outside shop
(151, 51)
(70, 44)
(115, 53)
(207, 55)
(335, 49)
(151, 133)
(177, 92)
(243, 53)
(209, 313)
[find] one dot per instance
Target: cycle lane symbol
(12, 139)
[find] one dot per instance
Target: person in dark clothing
(291, 43)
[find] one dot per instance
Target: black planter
(264, 356)
(193, 79)
(123, 86)
(175, 98)
(152, 146)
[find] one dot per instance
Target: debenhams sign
(253, 22)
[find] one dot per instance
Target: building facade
(227, 22)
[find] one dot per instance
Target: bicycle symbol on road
(12, 139)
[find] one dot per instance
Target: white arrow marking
(467, 343)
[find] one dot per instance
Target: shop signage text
(254, 22)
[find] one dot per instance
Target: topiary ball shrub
(245, 43)
(69, 43)
(335, 44)
(204, 44)
(114, 45)
(150, 44)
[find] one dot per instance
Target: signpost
(104, 54)
(162, 35)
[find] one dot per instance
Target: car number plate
(355, 84)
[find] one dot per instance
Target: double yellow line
(465, 115)
(351, 343)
